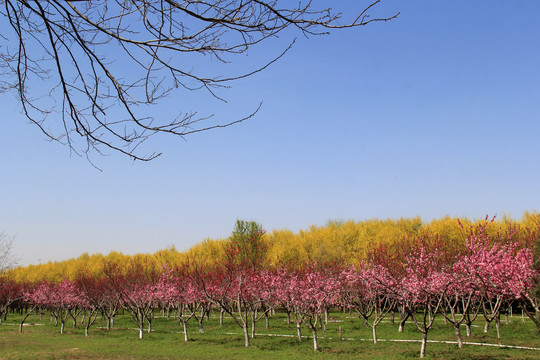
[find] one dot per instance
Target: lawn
(41, 339)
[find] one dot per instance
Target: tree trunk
(403, 319)
(186, 338)
(201, 328)
(315, 342)
(498, 327)
(423, 346)
(221, 312)
(374, 334)
(298, 331)
(141, 325)
(246, 335)
(458, 336)
(86, 331)
(62, 327)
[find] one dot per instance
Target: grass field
(42, 340)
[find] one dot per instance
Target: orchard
(418, 280)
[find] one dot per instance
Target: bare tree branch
(86, 72)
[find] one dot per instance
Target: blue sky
(435, 113)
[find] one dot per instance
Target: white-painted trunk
(186, 338)
(423, 346)
(246, 336)
(458, 336)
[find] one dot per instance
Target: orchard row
(421, 284)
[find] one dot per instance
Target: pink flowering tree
(177, 291)
(500, 273)
(139, 297)
(98, 295)
(309, 293)
(192, 304)
(423, 287)
(62, 300)
(10, 292)
(366, 290)
(235, 283)
(136, 291)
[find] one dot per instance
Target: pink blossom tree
(61, 300)
(366, 290)
(423, 287)
(10, 292)
(309, 292)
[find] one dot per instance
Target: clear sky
(435, 113)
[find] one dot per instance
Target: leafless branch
(89, 70)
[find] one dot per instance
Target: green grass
(167, 342)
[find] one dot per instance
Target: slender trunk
(298, 332)
(141, 324)
(423, 346)
(86, 331)
(246, 335)
(392, 316)
(267, 320)
(486, 326)
(402, 322)
(315, 342)
(221, 312)
(469, 331)
(62, 327)
(186, 338)
(201, 328)
(458, 335)
(374, 334)
(253, 326)
(498, 327)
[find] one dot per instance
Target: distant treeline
(343, 242)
